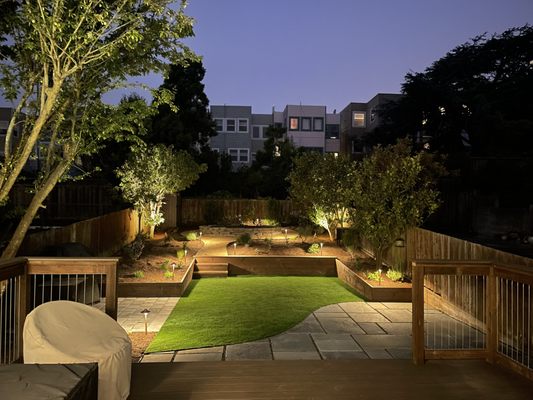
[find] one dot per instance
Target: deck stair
(210, 267)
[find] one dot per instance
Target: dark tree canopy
(483, 87)
(189, 125)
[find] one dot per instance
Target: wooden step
(210, 269)
(210, 274)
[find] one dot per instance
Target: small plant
(314, 248)
(268, 243)
(168, 274)
(394, 275)
(165, 265)
(244, 239)
(181, 253)
(374, 276)
(191, 236)
(138, 274)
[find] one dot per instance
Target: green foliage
(314, 248)
(244, 239)
(134, 250)
(321, 184)
(168, 274)
(138, 274)
(394, 191)
(180, 253)
(394, 275)
(374, 276)
(62, 58)
(165, 265)
(305, 232)
(152, 173)
(190, 236)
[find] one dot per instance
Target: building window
(358, 119)
(306, 124)
(294, 124)
(373, 114)
(243, 125)
(219, 124)
(332, 131)
(239, 155)
(230, 125)
(318, 124)
(259, 132)
(253, 157)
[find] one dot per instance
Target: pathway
(355, 330)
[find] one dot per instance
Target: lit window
(243, 125)
(230, 125)
(294, 124)
(373, 114)
(358, 120)
(306, 124)
(318, 124)
(220, 124)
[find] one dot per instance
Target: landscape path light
(379, 276)
(145, 312)
(321, 245)
(173, 268)
(234, 248)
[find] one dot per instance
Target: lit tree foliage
(152, 173)
(394, 190)
(322, 184)
(65, 55)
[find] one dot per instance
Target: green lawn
(236, 310)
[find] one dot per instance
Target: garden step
(210, 274)
(211, 267)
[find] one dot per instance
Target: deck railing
(26, 283)
(473, 309)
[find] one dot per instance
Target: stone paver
(296, 355)
(343, 355)
(298, 342)
(397, 315)
(368, 317)
(330, 309)
(197, 357)
(371, 328)
(132, 320)
(249, 351)
(397, 328)
(158, 357)
(335, 342)
(340, 325)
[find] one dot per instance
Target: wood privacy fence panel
(103, 235)
(422, 244)
(220, 211)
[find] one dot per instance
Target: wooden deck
(342, 379)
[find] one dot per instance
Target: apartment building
(358, 119)
(240, 133)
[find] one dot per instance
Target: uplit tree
(64, 56)
(322, 184)
(153, 172)
(394, 190)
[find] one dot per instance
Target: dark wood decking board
(342, 379)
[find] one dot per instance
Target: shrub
(314, 248)
(191, 236)
(138, 274)
(244, 239)
(305, 231)
(134, 250)
(165, 265)
(268, 243)
(374, 276)
(394, 275)
(168, 274)
(180, 253)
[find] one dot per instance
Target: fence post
(418, 313)
(492, 319)
(111, 300)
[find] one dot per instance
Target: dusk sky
(268, 53)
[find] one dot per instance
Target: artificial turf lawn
(235, 310)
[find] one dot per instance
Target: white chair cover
(66, 332)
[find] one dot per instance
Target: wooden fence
(102, 235)
(422, 244)
(227, 211)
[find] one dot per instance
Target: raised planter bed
(254, 231)
(157, 289)
(371, 291)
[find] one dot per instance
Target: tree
(394, 190)
(153, 172)
(65, 55)
(482, 87)
(188, 124)
(322, 185)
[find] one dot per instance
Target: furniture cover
(65, 332)
(50, 381)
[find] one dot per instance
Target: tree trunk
(16, 240)
(378, 254)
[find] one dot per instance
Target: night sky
(268, 53)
